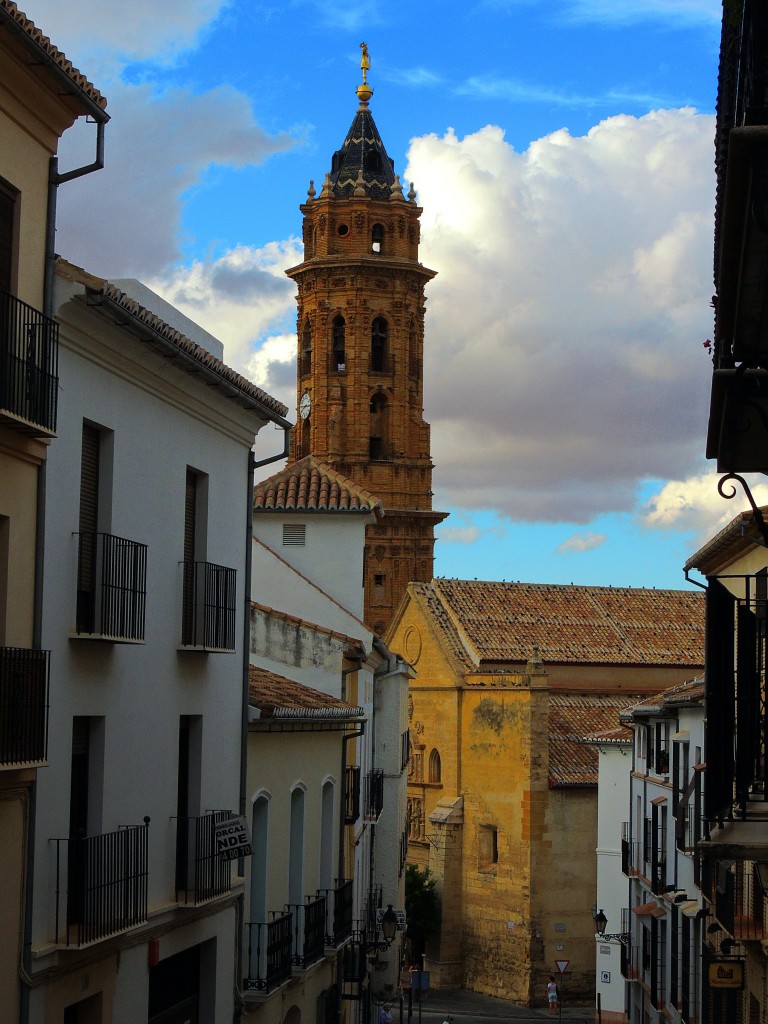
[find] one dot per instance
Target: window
(379, 427)
(296, 848)
(338, 341)
(434, 767)
(327, 833)
(377, 237)
(187, 799)
(259, 860)
(306, 349)
(8, 210)
(488, 847)
(86, 783)
(379, 338)
(294, 535)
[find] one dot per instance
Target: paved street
(470, 1008)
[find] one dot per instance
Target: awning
(658, 800)
(684, 734)
(690, 908)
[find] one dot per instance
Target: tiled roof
(276, 696)
(238, 388)
(689, 692)
(502, 622)
(740, 534)
(618, 737)
(311, 486)
(34, 39)
(572, 762)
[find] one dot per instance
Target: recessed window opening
(377, 237)
(306, 348)
(339, 330)
(379, 335)
(342, 229)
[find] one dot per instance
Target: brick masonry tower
(360, 333)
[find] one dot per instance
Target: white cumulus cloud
(564, 359)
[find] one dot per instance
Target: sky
(562, 152)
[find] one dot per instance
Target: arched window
(306, 348)
(296, 848)
(327, 833)
(378, 448)
(377, 238)
(435, 767)
(259, 861)
(379, 335)
(338, 343)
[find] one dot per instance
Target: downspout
(286, 427)
(240, 904)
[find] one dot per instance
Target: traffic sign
(562, 965)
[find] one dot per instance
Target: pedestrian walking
(552, 994)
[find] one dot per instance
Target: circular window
(343, 229)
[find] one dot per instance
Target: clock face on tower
(305, 405)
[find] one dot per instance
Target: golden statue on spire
(364, 91)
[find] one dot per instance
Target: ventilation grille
(294, 535)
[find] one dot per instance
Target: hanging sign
(232, 839)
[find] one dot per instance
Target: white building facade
(147, 532)
(665, 919)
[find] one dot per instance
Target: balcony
(101, 885)
(630, 852)
(29, 367)
(24, 676)
(209, 607)
(374, 795)
(111, 588)
(308, 942)
(201, 874)
(352, 794)
(338, 913)
(269, 954)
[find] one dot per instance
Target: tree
(422, 908)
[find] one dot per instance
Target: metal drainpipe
(54, 180)
(275, 458)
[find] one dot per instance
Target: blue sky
(562, 153)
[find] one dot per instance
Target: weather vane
(364, 91)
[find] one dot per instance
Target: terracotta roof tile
(215, 369)
(276, 696)
(689, 692)
(502, 622)
(572, 762)
(311, 486)
(739, 535)
(36, 38)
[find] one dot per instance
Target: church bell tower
(360, 333)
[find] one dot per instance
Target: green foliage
(422, 908)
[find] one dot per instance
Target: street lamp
(388, 930)
(600, 922)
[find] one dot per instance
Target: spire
(362, 166)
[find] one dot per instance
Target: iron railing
(269, 953)
(308, 943)
(374, 794)
(24, 676)
(29, 363)
(338, 912)
(630, 851)
(351, 794)
(101, 884)
(209, 606)
(201, 874)
(111, 587)
(740, 904)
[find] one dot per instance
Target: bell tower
(360, 333)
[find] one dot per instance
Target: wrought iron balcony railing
(101, 885)
(201, 874)
(24, 676)
(209, 606)
(352, 794)
(308, 944)
(338, 912)
(270, 956)
(111, 587)
(29, 366)
(374, 795)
